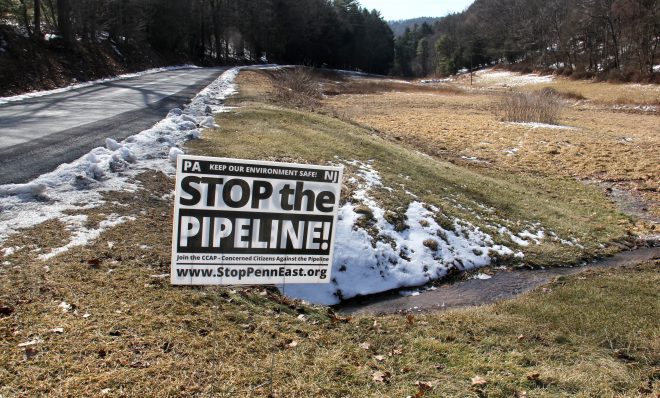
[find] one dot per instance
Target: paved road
(38, 134)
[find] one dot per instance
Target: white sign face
(252, 222)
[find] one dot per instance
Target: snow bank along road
(38, 134)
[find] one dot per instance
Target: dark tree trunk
(26, 19)
(37, 19)
(615, 42)
(64, 20)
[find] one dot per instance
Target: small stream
(504, 284)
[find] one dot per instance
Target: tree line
(338, 33)
(583, 38)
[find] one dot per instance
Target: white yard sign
(252, 222)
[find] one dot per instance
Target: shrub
(297, 86)
(570, 95)
(540, 106)
(583, 75)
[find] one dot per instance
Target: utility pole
(470, 68)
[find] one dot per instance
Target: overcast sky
(393, 10)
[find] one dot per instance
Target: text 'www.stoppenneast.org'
(240, 273)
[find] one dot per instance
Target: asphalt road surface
(39, 134)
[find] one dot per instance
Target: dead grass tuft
(297, 86)
(543, 106)
(568, 95)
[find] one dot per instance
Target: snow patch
(8, 251)
(525, 237)
(431, 81)
(82, 235)
(536, 125)
(390, 259)
(509, 79)
(640, 108)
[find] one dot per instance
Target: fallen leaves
(292, 344)
(478, 381)
(423, 387)
(365, 345)
(30, 343)
(29, 349)
(381, 376)
(379, 358)
(334, 318)
(57, 330)
(64, 306)
(395, 352)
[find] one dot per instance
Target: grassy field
(103, 320)
(601, 143)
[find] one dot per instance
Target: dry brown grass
(375, 86)
(543, 106)
(605, 93)
(604, 145)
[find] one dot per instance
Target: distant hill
(398, 27)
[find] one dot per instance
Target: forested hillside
(617, 39)
(337, 33)
(399, 27)
(82, 39)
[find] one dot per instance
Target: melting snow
(423, 252)
(81, 235)
(507, 79)
(523, 238)
(536, 125)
